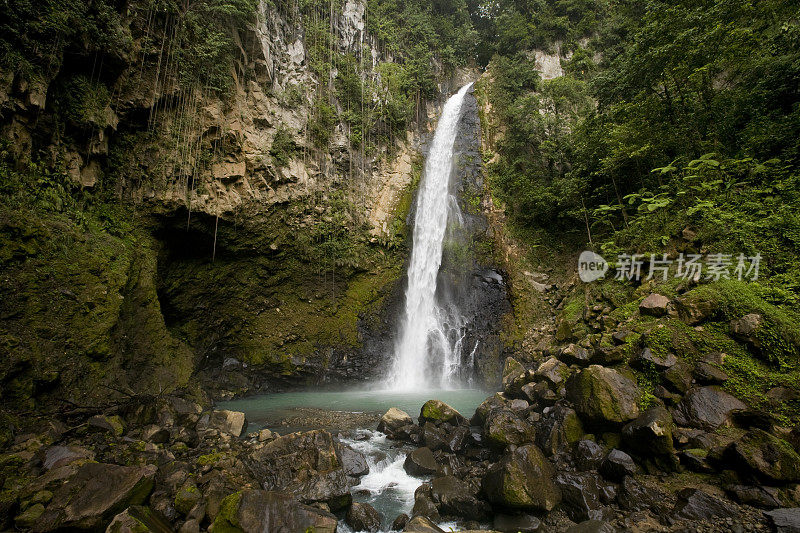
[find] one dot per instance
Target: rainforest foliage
(669, 114)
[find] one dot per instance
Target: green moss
(227, 520)
(210, 459)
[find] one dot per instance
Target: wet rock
(138, 519)
(353, 462)
(393, 420)
(504, 427)
(617, 465)
(58, 456)
(514, 377)
(559, 428)
(517, 523)
(575, 354)
(765, 456)
(601, 395)
(112, 424)
(633, 496)
(363, 517)
(400, 522)
(785, 520)
(456, 498)
(458, 439)
(307, 465)
(695, 460)
(540, 393)
(188, 496)
(647, 359)
(424, 504)
(678, 378)
(89, 499)
(709, 375)
(581, 496)
(553, 371)
(256, 511)
(757, 496)
(750, 418)
(706, 408)
(155, 434)
(422, 524)
(229, 422)
(421, 462)
(746, 329)
(495, 401)
(588, 455)
(409, 433)
(434, 437)
(695, 504)
(522, 479)
(438, 412)
(655, 305)
(650, 436)
(592, 526)
(694, 311)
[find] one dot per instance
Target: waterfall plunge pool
(354, 415)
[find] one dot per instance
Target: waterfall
(428, 352)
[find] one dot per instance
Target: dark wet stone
(363, 517)
(786, 520)
(617, 465)
(421, 462)
(588, 455)
(757, 496)
(592, 526)
(581, 496)
(706, 407)
(695, 504)
(517, 523)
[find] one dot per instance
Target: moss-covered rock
(765, 456)
(503, 427)
(603, 396)
(523, 479)
(187, 497)
(437, 411)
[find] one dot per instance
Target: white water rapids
(429, 349)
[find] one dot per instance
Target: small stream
(387, 486)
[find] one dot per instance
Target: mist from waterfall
(428, 352)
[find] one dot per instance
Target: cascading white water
(428, 329)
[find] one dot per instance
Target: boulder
(694, 311)
(706, 408)
(655, 305)
(522, 479)
(617, 465)
(504, 427)
(756, 496)
(112, 424)
(94, 494)
(592, 526)
(497, 401)
(187, 497)
(138, 519)
(456, 498)
(353, 462)
(575, 354)
(603, 396)
(421, 524)
(785, 520)
(553, 371)
(581, 496)
(765, 456)
(400, 522)
(633, 496)
(229, 422)
(363, 517)
(514, 377)
(256, 511)
(393, 420)
(423, 503)
(58, 456)
(155, 434)
(650, 436)
(678, 378)
(646, 359)
(307, 465)
(588, 455)
(439, 412)
(746, 329)
(709, 375)
(435, 437)
(421, 462)
(517, 523)
(558, 429)
(695, 504)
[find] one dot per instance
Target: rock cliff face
(254, 234)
